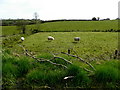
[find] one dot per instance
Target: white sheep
(50, 38)
(68, 77)
(76, 38)
(22, 38)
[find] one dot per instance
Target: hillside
(37, 62)
(66, 26)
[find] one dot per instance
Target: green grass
(106, 74)
(92, 46)
(80, 76)
(65, 26)
(26, 72)
(79, 25)
(96, 47)
(9, 30)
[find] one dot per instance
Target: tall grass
(45, 78)
(80, 79)
(107, 74)
(24, 65)
(9, 74)
(9, 69)
(37, 74)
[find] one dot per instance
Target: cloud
(59, 9)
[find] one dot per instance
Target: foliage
(94, 19)
(22, 26)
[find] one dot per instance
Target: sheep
(68, 77)
(76, 38)
(50, 38)
(22, 38)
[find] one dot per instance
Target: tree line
(14, 22)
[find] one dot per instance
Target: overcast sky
(59, 9)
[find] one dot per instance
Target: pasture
(65, 26)
(92, 46)
(41, 63)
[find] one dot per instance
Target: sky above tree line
(58, 9)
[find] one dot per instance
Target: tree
(21, 25)
(98, 18)
(37, 22)
(94, 19)
(36, 16)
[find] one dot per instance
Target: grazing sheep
(50, 38)
(76, 38)
(22, 38)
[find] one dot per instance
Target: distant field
(93, 45)
(66, 26)
(79, 25)
(9, 30)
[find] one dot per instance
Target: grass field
(93, 45)
(97, 48)
(66, 26)
(80, 25)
